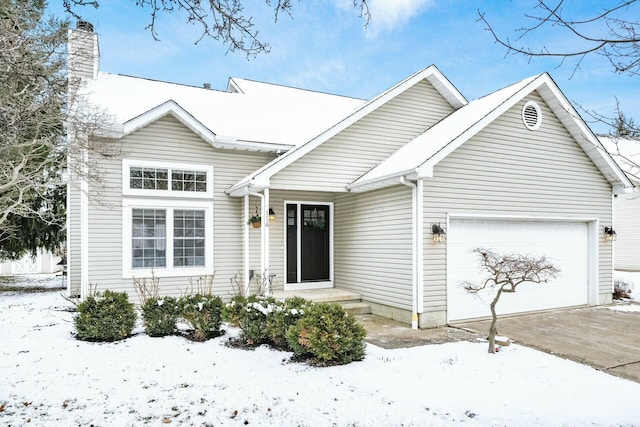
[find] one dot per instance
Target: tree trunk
(493, 330)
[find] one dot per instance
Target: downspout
(414, 252)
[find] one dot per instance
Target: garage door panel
(564, 244)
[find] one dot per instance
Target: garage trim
(592, 242)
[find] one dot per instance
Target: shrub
(280, 320)
(105, 317)
(232, 310)
(621, 289)
(203, 313)
(160, 316)
(253, 319)
(329, 334)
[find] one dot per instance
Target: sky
(325, 46)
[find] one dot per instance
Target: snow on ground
(49, 378)
(31, 281)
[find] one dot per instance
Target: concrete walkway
(606, 339)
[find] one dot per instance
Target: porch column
(265, 237)
(245, 263)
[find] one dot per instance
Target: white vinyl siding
(348, 155)
(373, 245)
(508, 170)
(627, 225)
(167, 140)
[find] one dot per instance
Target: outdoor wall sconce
(610, 234)
(439, 234)
(272, 215)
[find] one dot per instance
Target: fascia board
(381, 182)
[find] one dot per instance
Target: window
(182, 180)
(188, 238)
(148, 238)
(148, 178)
(168, 237)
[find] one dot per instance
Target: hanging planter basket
(255, 221)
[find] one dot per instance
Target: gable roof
(260, 178)
(417, 158)
(264, 116)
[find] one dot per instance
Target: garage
(566, 244)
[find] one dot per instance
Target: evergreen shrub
(160, 316)
(252, 320)
(232, 310)
(280, 320)
(203, 313)
(328, 335)
(105, 317)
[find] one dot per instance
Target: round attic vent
(531, 115)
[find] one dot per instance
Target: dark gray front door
(308, 243)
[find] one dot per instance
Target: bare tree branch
(222, 20)
(614, 33)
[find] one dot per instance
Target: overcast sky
(325, 46)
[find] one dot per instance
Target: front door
(308, 243)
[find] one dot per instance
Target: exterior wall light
(439, 235)
(610, 234)
(272, 215)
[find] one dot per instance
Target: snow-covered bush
(279, 321)
(253, 318)
(328, 335)
(107, 316)
(621, 289)
(203, 313)
(233, 309)
(160, 316)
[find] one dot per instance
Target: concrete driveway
(607, 339)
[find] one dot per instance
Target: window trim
(128, 205)
(127, 164)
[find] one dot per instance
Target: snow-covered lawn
(49, 378)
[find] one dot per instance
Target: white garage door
(565, 244)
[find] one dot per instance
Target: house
(384, 197)
(625, 151)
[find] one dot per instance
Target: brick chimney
(84, 54)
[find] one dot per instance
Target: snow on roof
(261, 112)
(626, 152)
(415, 153)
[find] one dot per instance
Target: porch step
(356, 307)
(350, 301)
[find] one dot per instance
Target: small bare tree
(506, 273)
